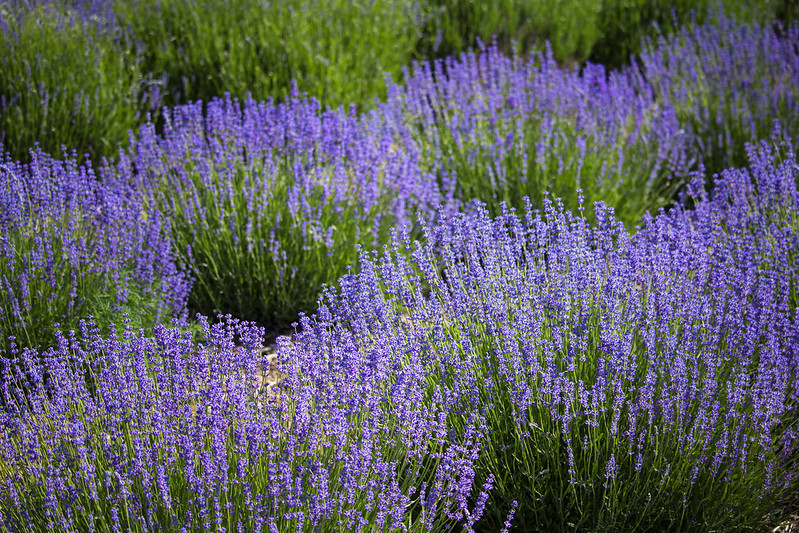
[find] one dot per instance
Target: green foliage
(624, 24)
(602, 31)
(338, 51)
(787, 11)
(571, 26)
(66, 81)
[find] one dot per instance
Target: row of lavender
(531, 371)
(256, 206)
(82, 72)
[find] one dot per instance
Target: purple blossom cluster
(142, 434)
(728, 82)
(531, 371)
(74, 245)
(267, 199)
(660, 367)
(499, 128)
(225, 153)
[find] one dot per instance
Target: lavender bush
(69, 76)
(759, 207)
(530, 371)
(495, 367)
(143, 434)
(73, 246)
(625, 382)
(267, 200)
(727, 82)
(500, 128)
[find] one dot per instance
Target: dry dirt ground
(791, 525)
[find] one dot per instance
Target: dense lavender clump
(623, 381)
(754, 213)
(500, 128)
(73, 246)
(270, 197)
(535, 367)
(728, 82)
(267, 200)
(146, 434)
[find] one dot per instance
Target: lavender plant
(643, 381)
(268, 200)
(728, 82)
(759, 206)
(531, 371)
(499, 129)
(73, 247)
(68, 77)
(144, 434)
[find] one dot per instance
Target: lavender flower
(499, 128)
(74, 246)
(150, 433)
(728, 82)
(615, 371)
(268, 199)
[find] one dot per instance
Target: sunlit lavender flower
(73, 245)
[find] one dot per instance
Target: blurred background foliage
(82, 73)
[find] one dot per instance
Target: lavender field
(510, 295)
